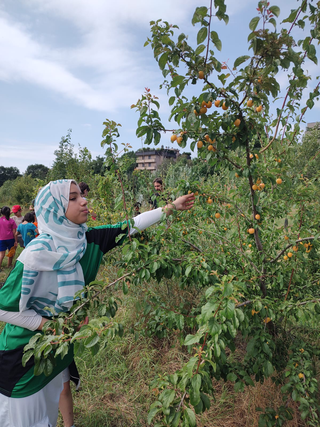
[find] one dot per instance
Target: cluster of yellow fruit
(177, 138)
(203, 109)
(250, 104)
(252, 156)
(289, 255)
(208, 141)
(258, 186)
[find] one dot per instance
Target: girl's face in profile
(77, 211)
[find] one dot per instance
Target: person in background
(35, 222)
(8, 234)
(158, 187)
(27, 229)
(18, 218)
(84, 188)
(137, 207)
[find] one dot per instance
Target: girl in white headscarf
(49, 272)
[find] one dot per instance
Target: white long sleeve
(144, 220)
(28, 319)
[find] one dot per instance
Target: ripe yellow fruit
(236, 175)
(196, 193)
(209, 104)
(207, 137)
(290, 254)
(224, 107)
(237, 122)
(250, 245)
(203, 110)
(250, 103)
(179, 139)
(279, 181)
(251, 231)
(301, 375)
(217, 215)
(257, 217)
(262, 185)
(257, 157)
(251, 156)
(211, 147)
(233, 138)
(201, 75)
(285, 257)
(286, 237)
(209, 201)
(254, 187)
(295, 248)
(259, 109)
(203, 104)
(199, 144)
(217, 103)
(195, 112)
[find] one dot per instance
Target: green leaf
(199, 14)
(192, 339)
(166, 397)
(229, 309)
(205, 399)
(152, 414)
(163, 60)
(273, 22)
(63, 350)
(142, 130)
(196, 382)
(26, 357)
(292, 16)
(251, 347)
(92, 340)
(48, 367)
(240, 60)
(275, 10)
(175, 421)
(200, 49)
(227, 290)
(232, 377)
(202, 35)
(124, 287)
(188, 270)
(253, 23)
(171, 100)
(268, 368)
(194, 396)
(215, 40)
(191, 417)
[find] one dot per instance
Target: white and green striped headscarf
(52, 273)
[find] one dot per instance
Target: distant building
(151, 159)
(312, 125)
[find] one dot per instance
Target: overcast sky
(70, 64)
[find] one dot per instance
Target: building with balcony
(151, 159)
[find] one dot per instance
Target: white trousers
(38, 410)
